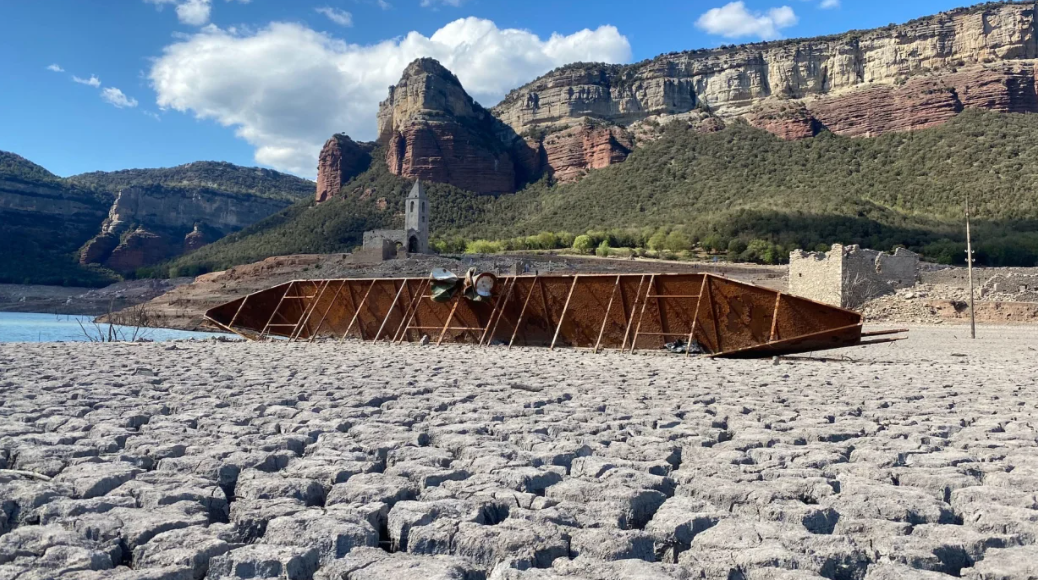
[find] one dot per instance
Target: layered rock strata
(433, 130)
(571, 153)
(985, 55)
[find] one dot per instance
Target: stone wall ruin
(849, 276)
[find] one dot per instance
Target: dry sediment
(359, 460)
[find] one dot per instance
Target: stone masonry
(414, 238)
(848, 276)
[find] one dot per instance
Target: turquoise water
(33, 327)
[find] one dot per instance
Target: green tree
(583, 244)
(678, 242)
(658, 241)
(483, 247)
(603, 249)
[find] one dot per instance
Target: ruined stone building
(414, 238)
(848, 276)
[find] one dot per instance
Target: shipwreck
(687, 313)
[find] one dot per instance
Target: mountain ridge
(88, 228)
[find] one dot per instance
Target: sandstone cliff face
(163, 217)
(571, 153)
(433, 130)
(341, 159)
(140, 248)
(985, 54)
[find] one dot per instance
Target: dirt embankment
(184, 306)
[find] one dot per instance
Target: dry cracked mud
(361, 461)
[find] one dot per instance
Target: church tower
(416, 220)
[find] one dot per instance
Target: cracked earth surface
(362, 461)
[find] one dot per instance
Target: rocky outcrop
(196, 239)
(570, 153)
(433, 130)
(449, 152)
(788, 121)
(921, 103)
(165, 220)
(44, 220)
(341, 159)
(859, 82)
(140, 248)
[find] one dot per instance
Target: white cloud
(829, 4)
(116, 98)
(55, 68)
(92, 81)
(153, 115)
(733, 20)
(383, 4)
(340, 17)
(286, 88)
(193, 12)
(428, 3)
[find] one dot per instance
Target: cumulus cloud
(55, 68)
(93, 81)
(829, 4)
(430, 3)
(734, 20)
(116, 98)
(340, 17)
(286, 88)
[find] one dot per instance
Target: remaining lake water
(36, 327)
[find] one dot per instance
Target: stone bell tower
(416, 220)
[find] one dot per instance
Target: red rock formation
(448, 152)
(790, 121)
(139, 248)
(195, 239)
(98, 248)
(1007, 89)
(341, 159)
(434, 131)
(920, 103)
(574, 151)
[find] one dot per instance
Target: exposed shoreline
(191, 457)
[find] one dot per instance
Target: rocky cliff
(148, 224)
(860, 83)
(432, 129)
(43, 220)
(572, 152)
(55, 230)
(341, 159)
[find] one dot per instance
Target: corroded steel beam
(723, 316)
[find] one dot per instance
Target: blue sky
(264, 82)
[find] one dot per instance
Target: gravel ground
(361, 461)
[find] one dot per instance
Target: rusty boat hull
(625, 312)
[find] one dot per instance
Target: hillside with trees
(222, 176)
(740, 191)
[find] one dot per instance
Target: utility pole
(969, 268)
